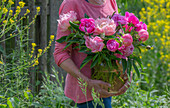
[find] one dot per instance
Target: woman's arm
(98, 85)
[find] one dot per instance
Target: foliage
(18, 56)
(51, 95)
(158, 67)
(52, 92)
(155, 61)
(135, 97)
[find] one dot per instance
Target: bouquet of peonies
(107, 42)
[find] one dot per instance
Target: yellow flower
(166, 56)
(4, 21)
(11, 21)
(18, 11)
(5, 10)
(10, 34)
(38, 9)
(36, 62)
(1, 62)
(137, 84)
(40, 50)
(28, 11)
(143, 9)
(166, 30)
(162, 39)
(156, 39)
(142, 50)
(33, 44)
(33, 49)
(21, 4)
(148, 64)
(151, 33)
(11, 12)
(52, 37)
(10, 2)
(18, 8)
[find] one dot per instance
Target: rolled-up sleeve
(59, 54)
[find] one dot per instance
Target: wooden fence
(44, 26)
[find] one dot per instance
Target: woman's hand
(100, 87)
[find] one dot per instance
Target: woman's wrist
(83, 77)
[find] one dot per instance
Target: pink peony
(87, 24)
(125, 50)
(65, 18)
(143, 35)
(140, 26)
(95, 43)
(112, 45)
(118, 18)
(127, 39)
(128, 28)
(131, 18)
(105, 25)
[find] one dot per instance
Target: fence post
(31, 5)
(54, 10)
(43, 37)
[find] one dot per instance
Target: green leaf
(95, 56)
(37, 83)
(95, 61)
(37, 105)
(136, 69)
(86, 16)
(10, 102)
(68, 44)
(69, 36)
(75, 26)
(139, 49)
(16, 102)
(62, 39)
(3, 105)
(74, 40)
(85, 61)
(110, 37)
(26, 95)
(2, 97)
(83, 49)
(104, 56)
(138, 60)
(109, 62)
(129, 66)
(124, 64)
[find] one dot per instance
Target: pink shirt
(72, 89)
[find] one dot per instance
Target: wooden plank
(54, 9)
(31, 6)
(43, 38)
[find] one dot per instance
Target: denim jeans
(106, 101)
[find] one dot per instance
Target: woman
(70, 59)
